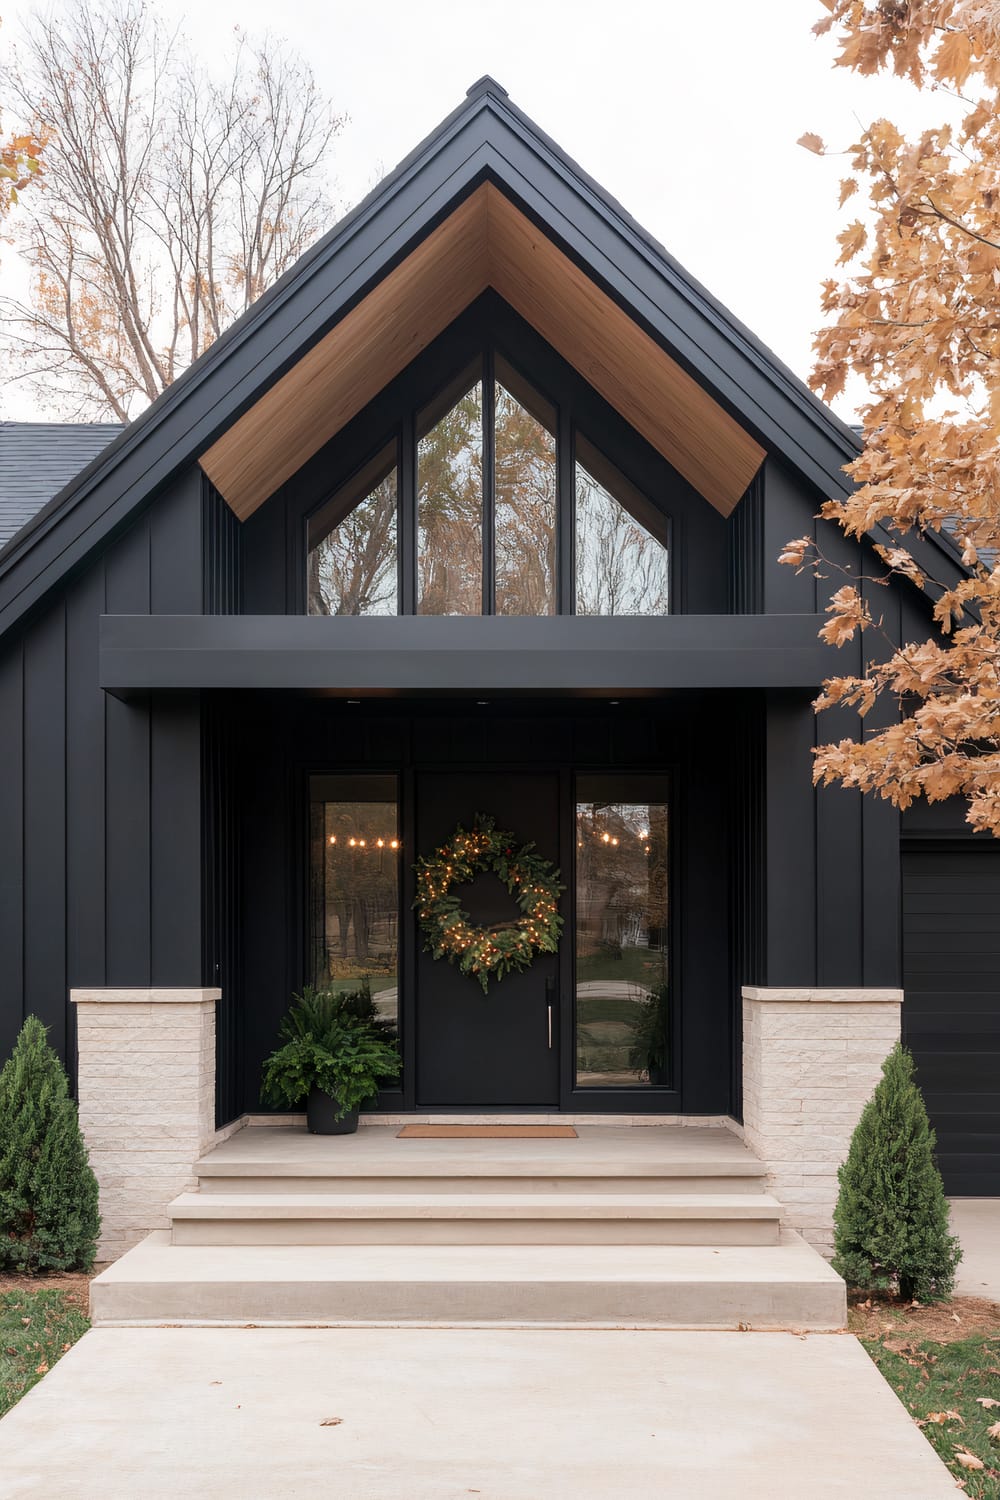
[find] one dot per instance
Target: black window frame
(405, 434)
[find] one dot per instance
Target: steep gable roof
(37, 459)
(487, 140)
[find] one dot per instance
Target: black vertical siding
(223, 568)
(11, 844)
(747, 886)
(746, 551)
(100, 801)
(222, 910)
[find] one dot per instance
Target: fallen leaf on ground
(42, 1368)
(994, 1432)
(331, 1421)
(987, 1402)
(955, 1318)
(968, 1460)
(945, 1416)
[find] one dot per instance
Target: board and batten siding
(100, 801)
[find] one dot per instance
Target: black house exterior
(476, 511)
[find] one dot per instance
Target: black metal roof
(37, 459)
(487, 138)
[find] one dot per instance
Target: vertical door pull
(549, 1009)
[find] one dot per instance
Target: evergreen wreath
(488, 952)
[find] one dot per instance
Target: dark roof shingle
(37, 459)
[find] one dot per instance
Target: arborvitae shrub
(48, 1194)
(891, 1220)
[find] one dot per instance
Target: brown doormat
(488, 1132)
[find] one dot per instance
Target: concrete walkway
(443, 1414)
(976, 1221)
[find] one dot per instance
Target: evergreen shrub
(49, 1219)
(891, 1221)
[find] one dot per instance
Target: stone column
(811, 1059)
(147, 1100)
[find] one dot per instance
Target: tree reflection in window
(450, 504)
(352, 545)
(622, 562)
(525, 506)
(355, 854)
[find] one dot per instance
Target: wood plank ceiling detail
(485, 242)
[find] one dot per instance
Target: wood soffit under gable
(485, 242)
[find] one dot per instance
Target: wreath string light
(488, 953)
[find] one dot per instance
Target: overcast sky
(687, 113)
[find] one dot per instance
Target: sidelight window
(355, 854)
(623, 1031)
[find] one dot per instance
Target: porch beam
(410, 655)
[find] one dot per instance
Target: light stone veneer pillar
(811, 1058)
(146, 1082)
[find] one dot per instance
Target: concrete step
(512, 1178)
(787, 1285)
(480, 1218)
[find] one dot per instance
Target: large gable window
(508, 512)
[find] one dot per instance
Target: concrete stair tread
(155, 1259)
(784, 1285)
(376, 1151)
(480, 1205)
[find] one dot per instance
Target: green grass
(938, 1378)
(36, 1329)
(637, 965)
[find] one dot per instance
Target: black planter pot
(320, 1116)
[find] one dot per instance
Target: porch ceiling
(485, 242)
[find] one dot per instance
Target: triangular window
(488, 503)
(353, 565)
(622, 561)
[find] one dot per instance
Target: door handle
(549, 1009)
(549, 993)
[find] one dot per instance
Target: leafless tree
(173, 196)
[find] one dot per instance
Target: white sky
(687, 113)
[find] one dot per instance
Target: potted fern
(336, 1052)
(650, 1050)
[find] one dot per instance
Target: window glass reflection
(622, 992)
(525, 511)
(622, 562)
(354, 863)
(352, 546)
(450, 508)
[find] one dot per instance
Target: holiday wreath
(488, 952)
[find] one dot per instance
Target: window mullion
(565, 514)
(489, 493)
(408, 517)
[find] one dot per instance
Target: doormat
(487, 1132)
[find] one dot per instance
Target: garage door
(951, 1015)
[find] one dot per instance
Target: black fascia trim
(391, 656)
(485, 137)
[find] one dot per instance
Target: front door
(499, 1049)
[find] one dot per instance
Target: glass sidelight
(623, 1031)
(354, 868)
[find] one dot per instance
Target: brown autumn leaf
(331, 1421)
(993, 1432)
(987, 1402)
(939, 1417)
(968, 1460)
(42, 1368)
(912, 319)
(812, 142)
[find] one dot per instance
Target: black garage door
(951, 1015)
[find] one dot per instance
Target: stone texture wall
(147, 1100)
(811, 1058)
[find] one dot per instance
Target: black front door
(499, 1049)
